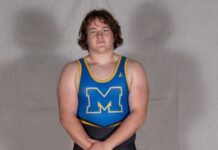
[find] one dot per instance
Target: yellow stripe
(88, 123)
(80, 72)
(125, 70)
(115, 124)
(106, 80)
(91, 124)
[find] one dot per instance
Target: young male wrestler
(102, 96)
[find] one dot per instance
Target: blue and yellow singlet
(103, 103)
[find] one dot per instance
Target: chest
(102, 72)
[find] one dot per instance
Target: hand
(98, 145)
(91, 142)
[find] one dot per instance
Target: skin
(101, 55)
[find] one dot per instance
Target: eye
(105, 30)
(92, 32)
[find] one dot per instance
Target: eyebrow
(91, 29)
(106, 27)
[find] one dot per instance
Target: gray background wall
(175, 40)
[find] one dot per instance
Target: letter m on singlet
(109, 101)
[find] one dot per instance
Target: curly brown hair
(105, 17)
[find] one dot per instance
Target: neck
(101, 58)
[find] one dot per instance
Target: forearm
(126, 129)
(74, 128)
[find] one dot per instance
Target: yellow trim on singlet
(125, 71)
(116, 124)
(80, 73)
(88, 123)
(106, 80)
(91, 124)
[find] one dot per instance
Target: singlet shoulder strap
(122, 71)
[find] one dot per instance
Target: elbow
(65, 120)
(140, 118)
(62, 122)
(143, 117)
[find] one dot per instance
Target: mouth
(100, 42)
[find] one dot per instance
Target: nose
(99, 33)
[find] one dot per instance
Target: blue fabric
(103, 103)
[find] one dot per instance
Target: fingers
(91, 140)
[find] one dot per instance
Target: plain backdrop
(176, 41)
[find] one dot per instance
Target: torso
(103, 101)
(104, 73)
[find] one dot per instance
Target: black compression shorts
(103, 133)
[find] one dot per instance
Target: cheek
(90, 40)
(112, 37)
(109, 36)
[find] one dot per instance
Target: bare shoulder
(135, 68)
(69, 74)
(72, 66)
(70, 69)
(136, 72)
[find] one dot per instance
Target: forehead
(96, 23)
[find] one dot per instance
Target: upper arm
(138, 90)
(67, 90)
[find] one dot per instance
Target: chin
(101, 49)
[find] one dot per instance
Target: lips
(100, 42)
